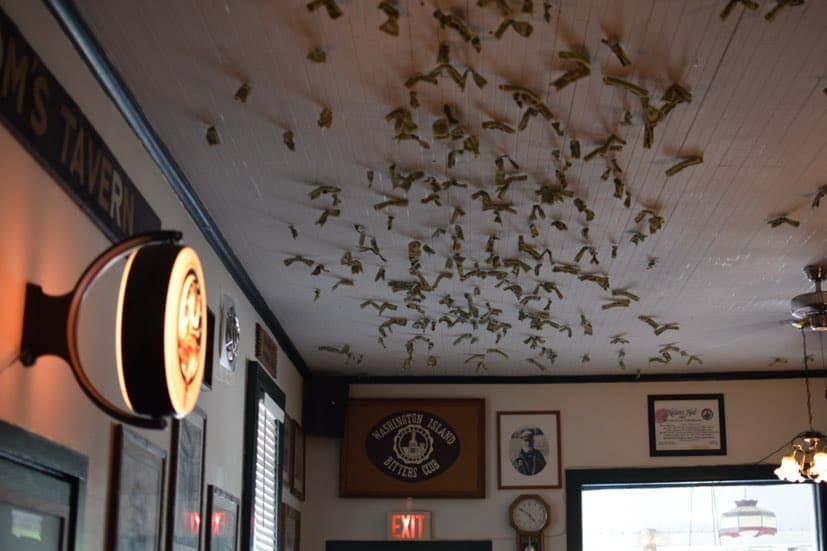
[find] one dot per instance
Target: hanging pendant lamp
(808, 457)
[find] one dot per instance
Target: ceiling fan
(809, 310)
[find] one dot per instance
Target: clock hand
(529, 515)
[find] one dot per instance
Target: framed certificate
(686, 424)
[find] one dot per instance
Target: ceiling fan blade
(741, 331)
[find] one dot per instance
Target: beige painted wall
(46, 239)
(602, 425)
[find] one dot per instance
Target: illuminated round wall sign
(161, 330)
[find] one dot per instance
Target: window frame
(579, 479)
(259, 384)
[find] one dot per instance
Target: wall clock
(529, 514)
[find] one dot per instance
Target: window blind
(267, 476)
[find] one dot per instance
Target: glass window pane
(23, 529)
(703, 517)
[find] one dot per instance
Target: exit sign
(409, 525)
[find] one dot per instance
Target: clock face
(529, 514)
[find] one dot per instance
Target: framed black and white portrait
(528, 449)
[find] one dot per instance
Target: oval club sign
(412, 446)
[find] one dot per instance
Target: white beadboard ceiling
(758, 115)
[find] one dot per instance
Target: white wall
(602, 425)
(46, 239)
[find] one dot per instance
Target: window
(263, 426)
(691, 509)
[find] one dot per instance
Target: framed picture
(136, 489)
(528, 449)
(187, 471)
(413, 448)
(686, 424)
(297, 463)
(222, 512)
(290, 528)
(206, 382)
(229, 336)
(287, 459)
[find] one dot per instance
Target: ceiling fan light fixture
(789, 470)
(807, 459)
(810, 309)
(820, 466)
